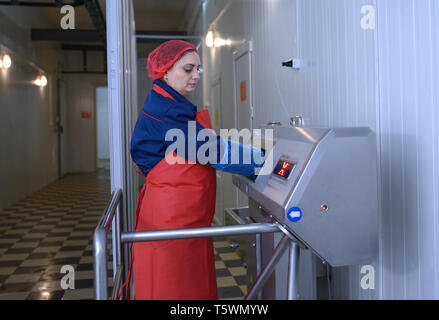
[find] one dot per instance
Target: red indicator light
(283, 169)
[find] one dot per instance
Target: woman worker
(175, 195)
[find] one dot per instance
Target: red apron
(174, 197)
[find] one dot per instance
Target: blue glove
(240, 158)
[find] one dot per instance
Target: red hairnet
(164, 56)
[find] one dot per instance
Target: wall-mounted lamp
(209, 39)
(219, 42)
(5, 62)
(41, 81)
(214, 41)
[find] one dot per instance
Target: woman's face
(183, 76)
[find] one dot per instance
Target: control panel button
(294, 214)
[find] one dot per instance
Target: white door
(102, 130)
(214, 107)
(243, 88)
(64, 162)
(242, 65)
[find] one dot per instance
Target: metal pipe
(117, 244)
(174, 234)
(293, 266)
(100, 255)
(117, 282)
(97, 17)
(259, 259)
(100, 264)
(268, 269)
(106, 219)
(258, 253)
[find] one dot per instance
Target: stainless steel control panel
(321, 185)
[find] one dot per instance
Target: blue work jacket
(165, 109)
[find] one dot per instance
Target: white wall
(408, 50)
(29, 148)
(384, 78)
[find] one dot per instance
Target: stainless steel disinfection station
(316, 196)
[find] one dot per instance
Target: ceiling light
(43, 81)
(209, 39)
(7, 62)
(219, 42)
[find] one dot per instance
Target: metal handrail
(100, 246)
(100, 254)
(117, 282)
(189, 233)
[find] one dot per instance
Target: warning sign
(243, 87)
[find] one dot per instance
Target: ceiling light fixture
(7, 62)
(219, 42)
(41, 81)
(209, 39)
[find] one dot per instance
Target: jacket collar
(178, 97)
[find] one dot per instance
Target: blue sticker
(294, 214)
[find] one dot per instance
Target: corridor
(54, 227)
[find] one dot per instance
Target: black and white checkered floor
(54, 227)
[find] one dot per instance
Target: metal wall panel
(385, 78)
(408, 47)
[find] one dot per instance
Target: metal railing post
(119, 238)
(117, 244)
(117, 282)
(100, 264)
(293, 267)
(266, 272)
(100, 254)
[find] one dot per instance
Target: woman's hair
(185, 53)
